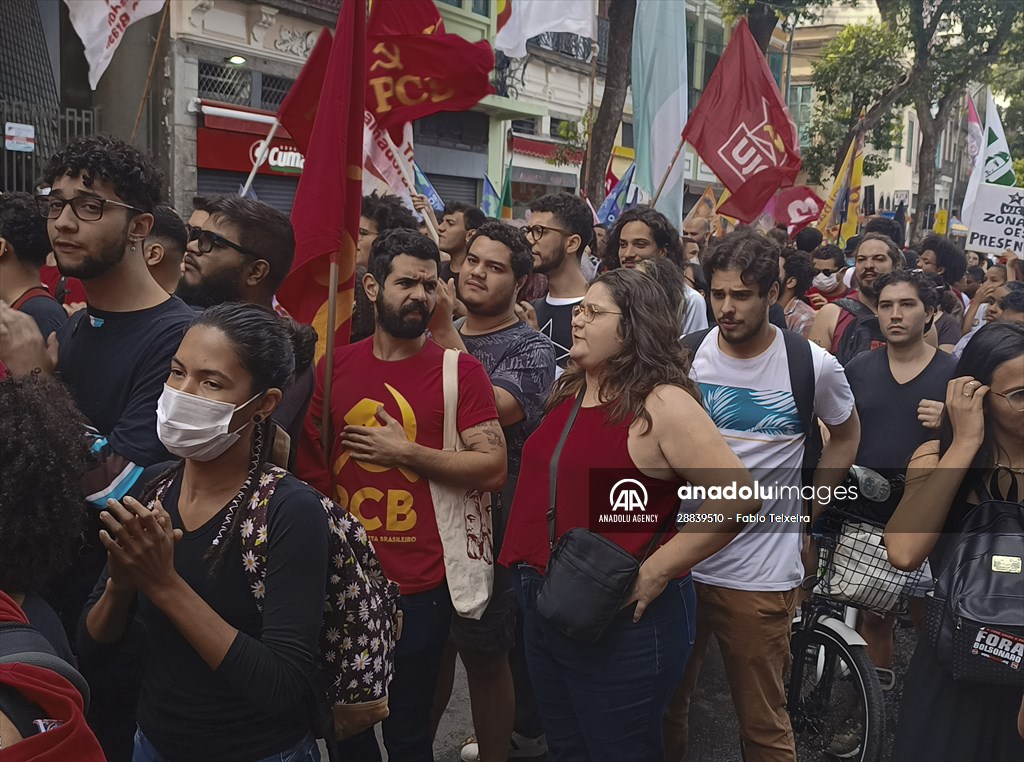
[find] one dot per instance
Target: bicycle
(834, 695)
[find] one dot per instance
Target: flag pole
(412, 184)
(152, 66)
(671, 164)
(594, 48)
(260, 158)
(332, 329)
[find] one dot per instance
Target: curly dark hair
(808, 239)
(43, 454)
(572, 213)
(23, 228)
(885, 226)
(515, 240)
(756, 256)
(664, 233)
(650, 356)
(948, 256)
(135, 177)
(388, 212)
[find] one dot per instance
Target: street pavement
(713, 730)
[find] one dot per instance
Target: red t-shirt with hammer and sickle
(393, 504)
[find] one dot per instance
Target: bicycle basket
(854, 568)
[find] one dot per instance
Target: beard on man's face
(408, 322)
(211, 290)
(109, 257)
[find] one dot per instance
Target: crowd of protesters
(174, 452)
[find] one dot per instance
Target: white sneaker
(519, 747)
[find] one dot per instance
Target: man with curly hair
(380, 213)
(115, 355)
(23, 250)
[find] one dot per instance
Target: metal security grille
(54, 127)
(229, 84)
(273, 90)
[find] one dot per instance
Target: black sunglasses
(826, 273)
(208, 239)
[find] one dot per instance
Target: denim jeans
(426, 621)
(304, 751)
(605, 701)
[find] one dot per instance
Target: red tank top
(594, 460)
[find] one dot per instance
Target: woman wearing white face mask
(224, 679)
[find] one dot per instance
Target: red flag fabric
(388, 17)
(413, 76)
(797, 208)
(298, 109)
(609, 180)
(742, 129)
(327, 203)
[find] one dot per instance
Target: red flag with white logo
(742, 129)
(797, 208)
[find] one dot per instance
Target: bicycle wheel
(837, 710)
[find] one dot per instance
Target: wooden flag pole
(332, 317)
(152, 66)
(664, 178)
(412, 185)
(260, 158)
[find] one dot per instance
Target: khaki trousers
(752, 629)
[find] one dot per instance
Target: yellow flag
(849, 229)
(828, 222)
(725, 224)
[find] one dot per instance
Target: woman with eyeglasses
(229, 661)
(634, 433)
(979, 454)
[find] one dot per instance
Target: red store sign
(237, 152)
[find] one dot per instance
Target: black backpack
(801, 379)
(21, 643)
(861, 333)
(975, 614)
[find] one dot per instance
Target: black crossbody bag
(588, 576)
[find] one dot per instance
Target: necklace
(1011, 469)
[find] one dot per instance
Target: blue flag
(490, 202)
(617, 201)
(424, 188)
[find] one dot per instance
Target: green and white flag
(659, 100)
(993, 165)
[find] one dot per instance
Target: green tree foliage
(853, 74)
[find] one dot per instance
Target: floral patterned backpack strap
(254, 532)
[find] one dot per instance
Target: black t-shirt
(554, 317)
(46, 311)
(115, 365)
(522, 362)
(889, 429)
(258, 702)
(948, 329)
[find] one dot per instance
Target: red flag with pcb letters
(742, 129)
(325, 215)
(411, 76)
(389, 17)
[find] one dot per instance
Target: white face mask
(195, 427)
(825, 282)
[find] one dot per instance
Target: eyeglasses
(86, 208)
(1013, 399)
(536, 232)
(826, 273)
(208, 239)
(590, 312)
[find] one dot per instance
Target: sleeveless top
(594, 462)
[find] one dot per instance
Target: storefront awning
(544, 149)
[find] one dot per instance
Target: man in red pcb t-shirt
(387, 434)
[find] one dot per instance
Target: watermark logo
(628, 495)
